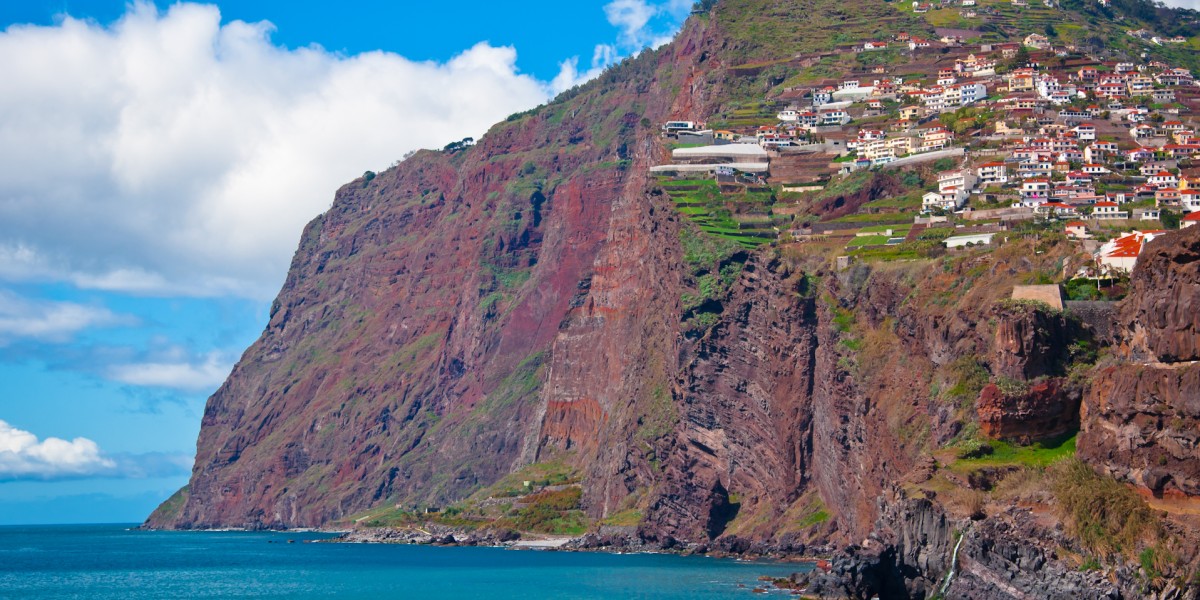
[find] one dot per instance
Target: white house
(992, 173)
(1034, 191)
(1122, 253)
(962, 180)
(973, 239)
(1108, 210)
(1163, 179)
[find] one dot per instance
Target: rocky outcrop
(746, 423)
(917, 552)
(1161, 316)
(1141, 424)
(1141, 415)
(1030, 341)
(1043, 410)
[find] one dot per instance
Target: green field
(741, 217)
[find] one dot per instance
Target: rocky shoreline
(910, 554)
(607, 539)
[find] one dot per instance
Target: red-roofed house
(1162, 179)
(1189, 220)
(1121, 254)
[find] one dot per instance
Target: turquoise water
(110, 561)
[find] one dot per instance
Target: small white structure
(740, 152)
(973, 239)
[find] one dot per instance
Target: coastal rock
(1004, 557)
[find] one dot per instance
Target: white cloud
(171, 154)
(47, 320)
(175, 372)
(23, 456)
(641, 25)
(1192, 4)
(631, 16)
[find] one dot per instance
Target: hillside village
(977, 139)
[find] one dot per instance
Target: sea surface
(114, 561)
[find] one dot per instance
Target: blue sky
(161, 160)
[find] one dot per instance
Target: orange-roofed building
(1121, 254)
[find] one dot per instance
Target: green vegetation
(552, 511)
(661, 415)
(868, 240)
(539, 475)
(625, 518)
(168, 511)
(791, 27)
(459, 146)
(817, 518)
(969, 378)
(742, 217)
(1041, 454)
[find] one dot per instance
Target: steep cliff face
(406, 353)
(1141, 416)
(745, 397)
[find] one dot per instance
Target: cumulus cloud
(168, 153)
(640, 25)
(52, 321)
(631, 16)
(176, 372)
(23, 456)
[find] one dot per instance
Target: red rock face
(1142, 425)
(1028, 343)
(1141, 417)
(407, 351)
(1046, 410)
(1162, 314)
(746, 400)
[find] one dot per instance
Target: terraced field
(738, 214)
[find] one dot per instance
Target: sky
(160, 161)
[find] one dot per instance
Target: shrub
(1107, 517)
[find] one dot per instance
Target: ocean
(115, 561)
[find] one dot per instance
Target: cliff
(528, 332)
(1141, 416)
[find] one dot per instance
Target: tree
(1170, 220)
(1020, 59)
(460, 145)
